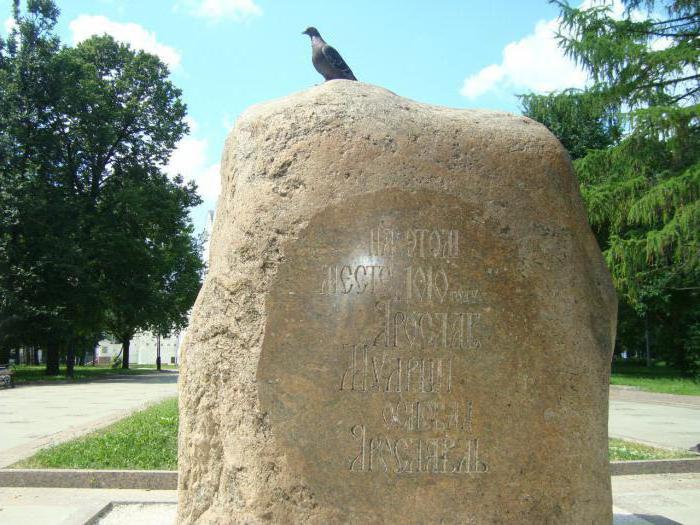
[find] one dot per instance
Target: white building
(208, 228)
(142, 350)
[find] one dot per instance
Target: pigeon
(327, 60)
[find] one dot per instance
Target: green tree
(581, 120)
(150, 255)
(46, 293)
(135, 119)
(642, 192)
(84, 133)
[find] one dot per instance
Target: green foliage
(147, 440)
(578, 119)
(659, 378)
(156, 276)
(93, 236)
(644, 191)
(37, 273)
(642, 188)
(643, 63)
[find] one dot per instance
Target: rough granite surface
(505, 330)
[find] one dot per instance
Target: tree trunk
(646, 339)
(52, 358)
(158, 352)
(126, 341)
(70, 360)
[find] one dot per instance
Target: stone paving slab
(663, 499)
(38, 416)
(52, 506)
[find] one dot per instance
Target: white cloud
(209, 183)
(660, 43)
(215, 10)
(533, 63)
(227, 122)
(135, 35)
(8, 25)
(192, 124)
(190, 160)
(483, 81)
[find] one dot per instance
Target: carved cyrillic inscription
(422, 328)
(409, 455)
(357, 279)
(425, 329)
(418, 416)
(380, 337)
(370, 370)
(414, 243)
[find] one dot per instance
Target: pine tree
(643, 192)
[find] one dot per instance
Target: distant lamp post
(158, 351)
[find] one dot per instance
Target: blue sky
(228, 54)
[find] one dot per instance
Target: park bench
(6, 376)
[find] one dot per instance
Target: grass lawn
(621, 450)
(656, 378)
(146, 440)
(31, 373)
(163, 366)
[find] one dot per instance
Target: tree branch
(102, 163)
(669, 82)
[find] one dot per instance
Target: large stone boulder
(406, 319)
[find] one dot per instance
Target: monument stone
(406, 320)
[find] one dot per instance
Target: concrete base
(90, 479)
(165, 514)
(666, 499)
(167, 479)
(656, 466)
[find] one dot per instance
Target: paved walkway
(666, 499)
(661, 499)
(34, 416)
(657, 419)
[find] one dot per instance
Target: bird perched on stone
(326, 59)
